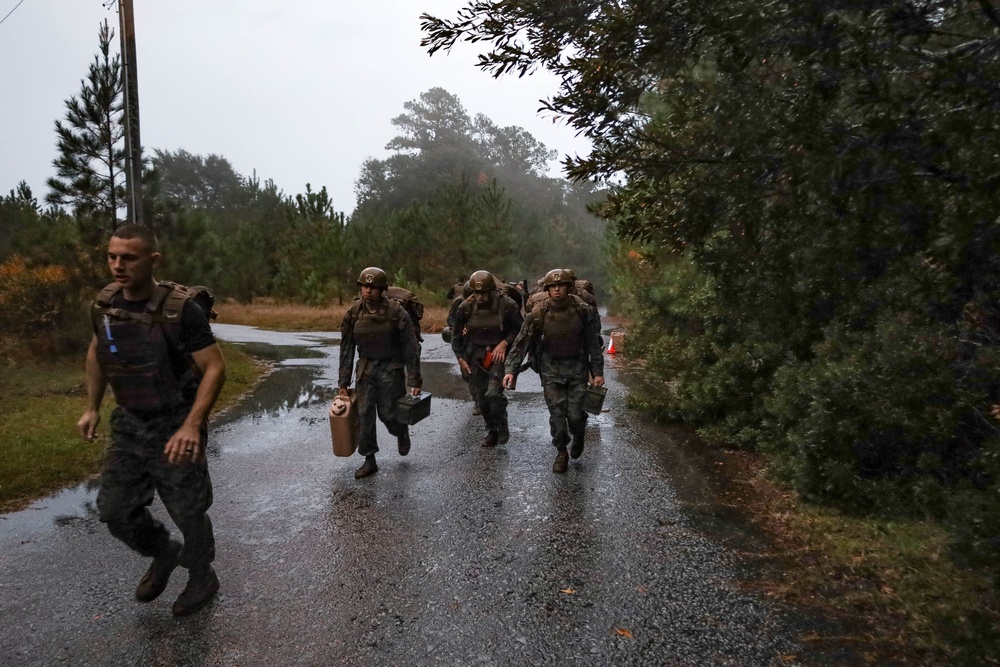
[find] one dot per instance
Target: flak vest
(562, 328)
(485, 325)
(141, 353)
(376, 334)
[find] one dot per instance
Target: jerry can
(593, 399)
(344, 425)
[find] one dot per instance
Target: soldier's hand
(184, 446)
(509, 381)
(414, 391)
(88, 424)
(598, 381)
(344, 392)
(500, 352)
(463, 365)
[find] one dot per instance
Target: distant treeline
(457, 194)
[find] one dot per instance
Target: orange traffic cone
(611, 346)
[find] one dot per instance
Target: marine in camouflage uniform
(446, 334)
(486, 325)
(382, 333)
(562, 334)
(155, 347)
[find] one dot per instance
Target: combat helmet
(557, 277)
(482, 281)
(466, 290)
(374, 277)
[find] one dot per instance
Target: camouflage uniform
(134, 463)
(563, 373)
(504, 321)
(135, 468)
(380, 382)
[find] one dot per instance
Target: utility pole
(133, 147)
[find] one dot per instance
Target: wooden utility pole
(133, 146)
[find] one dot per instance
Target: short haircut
(133, 231)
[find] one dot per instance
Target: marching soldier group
(491, 338)
(154, 347)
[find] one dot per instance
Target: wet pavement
(454, 555)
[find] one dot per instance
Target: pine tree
(91, 164)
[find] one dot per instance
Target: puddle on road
(307, 377)
(282, 352)
(285, 389)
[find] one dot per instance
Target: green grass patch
(41, 450)
(893, 578)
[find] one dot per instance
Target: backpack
(583, 284)
(512, 291)
(409, 301)
(164, 305)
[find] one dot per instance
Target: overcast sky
(303, 91)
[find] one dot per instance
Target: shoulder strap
(394, 306)
(102, 303)
(104, 297)
(354, 310)
(166, 292)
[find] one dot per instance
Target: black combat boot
(403, 442)
(576, 448)
(157, 576)
(369, 467)
(491, 439)
(561, 462)
(201, 586)
(503, 433)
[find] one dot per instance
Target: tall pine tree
(91, 164)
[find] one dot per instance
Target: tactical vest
(485, 325)
(562, 329)
(376, 334)
(141, 353)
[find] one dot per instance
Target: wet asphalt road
(453, 555)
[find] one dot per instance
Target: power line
(11, 11)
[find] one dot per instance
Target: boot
(576, 448)
(157, 576)
(201, 586)
(503, 433)
(476, 411)
(403, 442)
(561, 462)
(491, 439)
(369, 467)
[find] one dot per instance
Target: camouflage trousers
(486, 387)
(564, 383)
(135, 468)
(376, 392)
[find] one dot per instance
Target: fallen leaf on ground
(623, 632)
(568, 591)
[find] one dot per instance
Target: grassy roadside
(276, 316)
(889, 583)
(41, 400)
